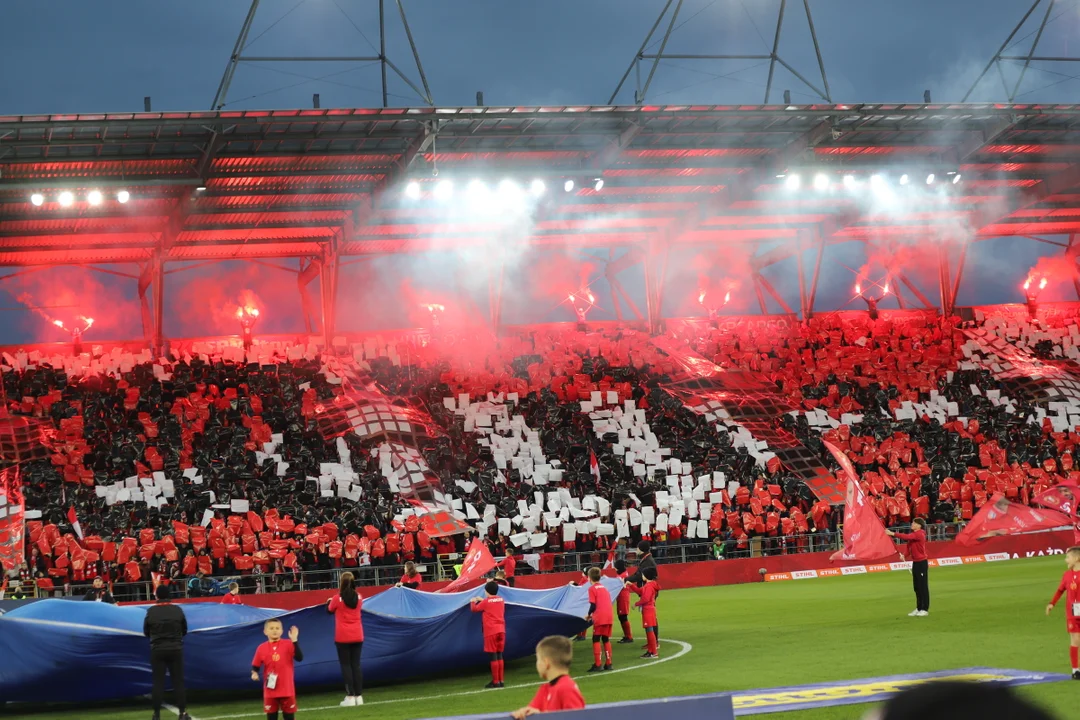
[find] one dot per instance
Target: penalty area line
(684, 648)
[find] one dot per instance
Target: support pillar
(157, 275)
(328, 284)
(303, 283)
(495, 289)
(655, 255)
(145, 281)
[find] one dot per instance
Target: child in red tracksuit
(622, 604)
(494, 620)
(601, 616)
(1070, 588)
(648, 592)
(275, 658)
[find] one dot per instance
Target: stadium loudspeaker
(696, 707)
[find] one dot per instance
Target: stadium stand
(287, 462)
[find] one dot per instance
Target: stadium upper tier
(252, 184)
(290, 459)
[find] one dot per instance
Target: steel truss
(1044, 19)
(237, 57)
(774, 57)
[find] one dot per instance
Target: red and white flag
(1001, 517)
(610, 564)
(74, 520)
(594, 467)
(1063, 497)
(478, 562)
(864, 533)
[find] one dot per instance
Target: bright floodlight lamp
(568, 186)
(792, 181)
(821, 182)
(876, 181)
(904, 180)
(123, 196)
(930, 179)
(537, 187)
(37, 199)
(66, 199)
(509, 188)
(412, 190)
(956, 178)
(444, 190)
(94, 197)
(598, 185)
(849, 181)
(201, 188)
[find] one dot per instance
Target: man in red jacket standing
(916, 540)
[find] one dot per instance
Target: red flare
(701, 297)
(727, 297)
(58, 323)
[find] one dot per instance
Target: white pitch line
(684, 648)
(176, 710)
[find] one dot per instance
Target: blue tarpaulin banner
(93, 651)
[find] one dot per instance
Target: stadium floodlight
(956, 178)
(412, 190)
(568, 186)
(599, 184)
(821, 181)
(66, 199)
(849, 181)
(904, 179)
(876, 181)
(94, 197)
(509, 188)
(444, 190)
(37, 199)
(538, 187)
(201, 188)
(930, 179)
(123, 196)
(792, 181)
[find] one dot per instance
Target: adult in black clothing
(99, 593)
(166, 627)
(645, 560)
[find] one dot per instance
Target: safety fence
(443, 568)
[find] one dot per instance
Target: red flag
(1064, 497)
(864, 533)
(478, 562)
(610, 564)
(594, 467)
(12, 519)
(441, 523)
(73, 520)
(1001, 517)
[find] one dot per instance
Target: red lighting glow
(727, 297)
(701, 297)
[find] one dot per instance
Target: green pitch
(749, 636)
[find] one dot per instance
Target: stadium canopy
(334, 185)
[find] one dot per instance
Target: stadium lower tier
(93, 651)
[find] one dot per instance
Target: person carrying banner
(920, 565)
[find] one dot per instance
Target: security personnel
(166, 627)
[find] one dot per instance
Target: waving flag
(1064, 498)
(1001, 517)
(12, 519)
(594, 467)
(478, 562)
(73, 520)
(864, 533)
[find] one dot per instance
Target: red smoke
(71, 295)
(203, 302)
(1054, 269)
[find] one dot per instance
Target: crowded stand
(558, 445)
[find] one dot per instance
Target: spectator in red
(349, 638)
(916, 540)
(233, 596)
(509, 565)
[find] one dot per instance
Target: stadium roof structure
(328, 184)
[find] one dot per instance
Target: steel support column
(328, 280)
(655, 254)
(760, 295)
(145, 281)
(802, 275)
(762, 282)
(157, 278)
(1071, 252)
(959, 274)
(817, 271)
(303, 282)
(915, 291)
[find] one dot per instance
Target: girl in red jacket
(348, 638)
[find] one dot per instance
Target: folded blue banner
(699, 707)
(93, 651)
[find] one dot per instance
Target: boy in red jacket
(601, 616)
(559, 692)
(494, 621)
(1070, 588)
(622, 604)
(233, 596)
(647, 604)
(275, 657)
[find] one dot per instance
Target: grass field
(752, 636)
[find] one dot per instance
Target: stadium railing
(442, 569)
